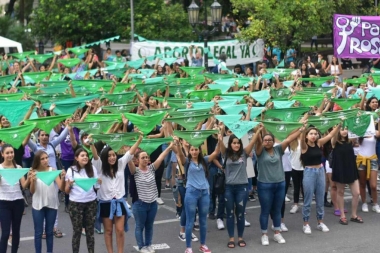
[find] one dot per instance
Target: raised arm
(251, 144)
(292, 137)
(162, 156)
(328, 137)
(133, 149)
(180, 154)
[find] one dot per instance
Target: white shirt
(45, 196)
(368, 147)
(112, 187)
(285, 159)
(9, 192)
(77, 194)
(295, 158)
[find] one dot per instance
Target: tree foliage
(11, 29)
(290, 22)
(92, 20)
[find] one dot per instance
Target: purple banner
(356, 36)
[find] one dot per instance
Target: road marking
(168, 208)
(156, 246)
(30, 238)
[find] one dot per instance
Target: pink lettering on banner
(356, 36)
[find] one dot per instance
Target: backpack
(220, 181)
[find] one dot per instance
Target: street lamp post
(216, 18)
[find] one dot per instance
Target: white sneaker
(278, 238)
(220, 224)
(378, 178)
(144, 250)
(376, 208)
(160, 201)
(129, 206)
(151, 250)
(365, 207)
(247, 224)
(182, 237)
(306, 229)
(284, 228)
(294, 209)
(194, 238)
(287, 199)
(323, 227)
(264, 240)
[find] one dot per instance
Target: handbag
(220, 180)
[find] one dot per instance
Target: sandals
(357, 219)
(231, 244)
(44, 235)
(241, 243)
(58, 233)
(343, 221)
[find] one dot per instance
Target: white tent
(7, 43)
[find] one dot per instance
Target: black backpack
(220, 181)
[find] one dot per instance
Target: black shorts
(105, 210)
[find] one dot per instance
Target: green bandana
(150, 89)
(218, 76)
(64, 107)
(41, 58)
(309, 100)
(155, 111)
(95, 127)
(154, 80)
(180, 102)
(145, 123)
(191, 71)
(22, 55)
(203, 105)
(12, 176)
(222, 87)
(116, 140)
(17, 112)
(317, 89)
(234, 109)
(359, 124)
(48, 177)
(195, 138)
(120, 108)
(48, 123)
(292, 114)
(280, 93)
(189, 122)
(11, 96)
(147, 72)
(50, 98)
(261, 96)
(150, 145)
(69, 62)
(86, 183)
(255, 111)
(16, 135)
(92, 85)
(346, 103)
(78, 51)
(198, 79)
(323, 124)
(136, 64)
(339, 114)
(206, 95)
(188, 112)
(240, 127)
(356, 80)
(182, 90)
(373, 92)
(36, 76)
(228, 118)
(283, 104)
(169, 61)
(120, 98)
(102, 117)
(226, 103)
(7, 79)
(281, 130)
(120, 73)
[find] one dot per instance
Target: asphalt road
(352, 238)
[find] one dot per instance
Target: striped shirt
(146, 184)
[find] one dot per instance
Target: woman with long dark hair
(197, 192)
(82, 203)
(111, 193)
(45, 201)
(11, 202)
(236, 193)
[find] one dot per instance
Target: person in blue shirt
(290, 55)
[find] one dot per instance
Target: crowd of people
(158, 111)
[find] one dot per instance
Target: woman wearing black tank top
(314, 175)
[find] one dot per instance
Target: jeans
(313, 183)
(10, 215)
(144, 214)
(47, 214)
(196, 198)
(271, 196)
(182, 193)
(213, 170)
(236, 200)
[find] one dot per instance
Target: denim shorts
(374, 165)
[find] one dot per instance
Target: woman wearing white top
(11, 202)
(45, 201)
(297, 172)
(111, 171)
(335, 68)
(82, 202)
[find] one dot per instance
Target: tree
(290, 22)
(9, 28)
